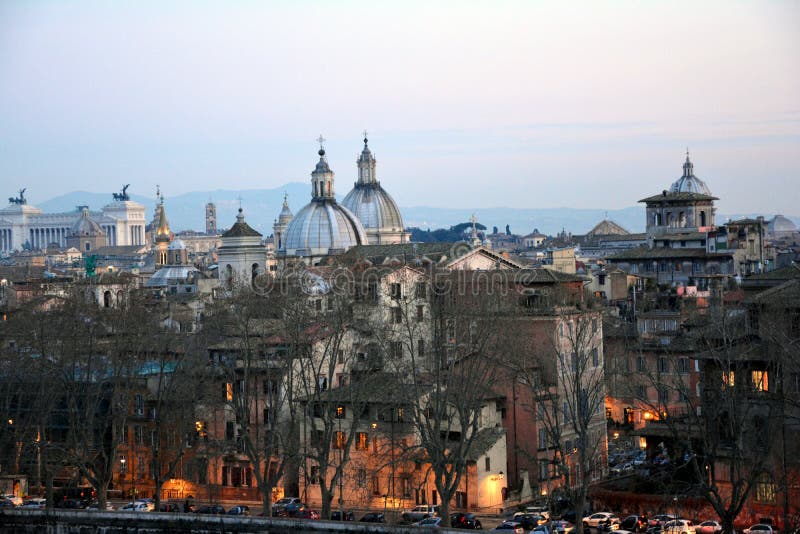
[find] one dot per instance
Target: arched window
(120, 297)
(682, 219)
(253, 272)
(228, 276)
(702, 218)
(107, 299)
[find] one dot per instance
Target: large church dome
(689, 183)
(322, 227)
(373, 206)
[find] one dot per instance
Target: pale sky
(468, 104)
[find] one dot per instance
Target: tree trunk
(327, 498)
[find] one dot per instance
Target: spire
(322, 176)
(240, 216)
(688, 167)
(476, 242)
(366, 164)
(162, 231)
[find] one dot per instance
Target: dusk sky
(468, 104)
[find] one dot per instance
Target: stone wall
(85, 522)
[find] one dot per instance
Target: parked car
(137, 506)
(6, 503)
(760, 528)
(679, 526)
(292, 503)
(306, 513)
(429, 522)
(560, 526)
(634, 523)
(239, 509)
(338, 515)
(529, 521)
(418, 513)
(708, 527)
(212, 509)
(509, 526)
(373, 517)
(466, 521)
(95, 505)
(660, 520)
(610, 525)
(543, 511)
(170, 507)
(35, 503)
(14, 499)
(595, 520)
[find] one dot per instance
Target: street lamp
(123, 469)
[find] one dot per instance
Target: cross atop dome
(321, 140)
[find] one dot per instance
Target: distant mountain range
(261, 207)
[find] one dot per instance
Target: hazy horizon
(517, 104)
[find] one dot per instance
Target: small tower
(162, 236)
(211, 218)
(281, 223)
(242, 256)
(322, 177)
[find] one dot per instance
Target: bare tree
(442, 332)
(724, 441)
(570, 389)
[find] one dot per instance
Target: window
(229, 430)
(683, 365)
(420, 290)
(766, 490)
(340, 412)
(663, 365)
(267, 417)
(594, 325)
(271, 388)
(339, 440)
(397, 349)
(313, 477)
(421, 348)
(397, 315)
(228, 391)
(641, 392)
(729, 378)
(362, 441)
(396, 291)
(488, 462)
(138, 434)
(138, 404)
(420, 313)
(322, 383)
(759, 379)
(544, 469)
(663, 396)
(595, 357)
(542, 439)
(565, 410)
(574, 358)
(641, 365)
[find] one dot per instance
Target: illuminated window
(729, 378)
(339, 440)
(760, 381)
(765, 489)
(228, 391)
(340, 412)
(362, 441)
